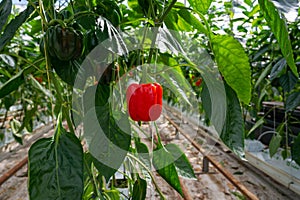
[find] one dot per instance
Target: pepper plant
(81, 49)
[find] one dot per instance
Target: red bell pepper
(144, 101)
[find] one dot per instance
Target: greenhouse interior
(149, 99)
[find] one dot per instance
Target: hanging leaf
(13, 26)
(296, 150)
(27, 120)
(192, 20)
(200, 5)
(181, 162)
(288, 81)
(263, 75)
(38, 86)
(56, 166)
(277, 68)
(292, 101)
(139, 189)
(12, 84)
(110, 38)
(234, 65)
(143, 153)
(256, 125)
(70, 71)
(8, 60)
(144, 156)
(206, 101)
(274, 144)
(233, 131)
(5, 10)
(173, 78)
(279, 28)
(15, 126)
(164, 164)
(108, 138)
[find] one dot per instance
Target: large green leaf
(279, 28)
(233, 64)
(200, 5)
(139, 189)
(296, 150)
(55, 167)
(12, 84)
(192, 20)
(233, 131)
(164, 164)
(108, 138)
(288, 81)
(181, 162)
(5, 10)
(69, 71)
(13, 26)
(292, 101)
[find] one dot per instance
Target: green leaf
(113, 194)
(38, 86)
(55, 167)
(263, 75)
(288, 81)
(233, 64)
(12, 84)
(165, 167)
(200, 5)
(104, 170)
(279, 28)
(206, 101)
(5, 10)
(108, 138)
(277, 68)
(256, 125)
(233, 131)
(15, 126)
(139, 189)
(173, 78)
(292, 101)
(7, 59)
(192, 20)
(274, 144)
(13, 26)
(181, 162)
(8, 102)
(143, 153)
(296, 150)
(27, 120)
(69, 71)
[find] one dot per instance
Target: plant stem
(67, 108)
(157, 25)
(158, 136)
(149, 172)
(91, 176)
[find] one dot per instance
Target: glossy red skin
(144, 101)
